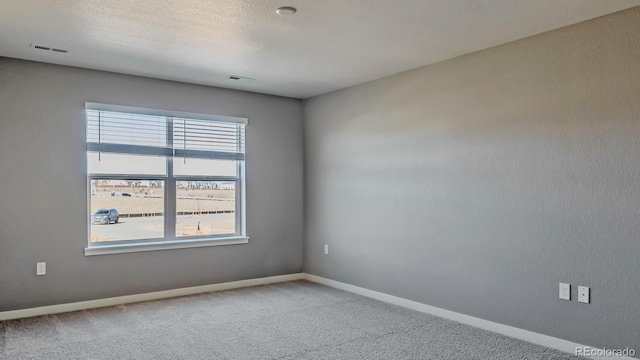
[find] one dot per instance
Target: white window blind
(208, 139)
(117, 132)
(164, 135)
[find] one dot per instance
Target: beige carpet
(296, 320)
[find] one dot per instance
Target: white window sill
(163, 245)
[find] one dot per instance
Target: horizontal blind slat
(203, 154)
(129, 149)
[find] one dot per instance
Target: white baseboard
(92, 304)
(529, 336)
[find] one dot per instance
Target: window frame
(170, 240)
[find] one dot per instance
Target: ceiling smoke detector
(286, 11)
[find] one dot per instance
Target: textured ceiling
(327, 45)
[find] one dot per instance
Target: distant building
(226, 186)
(111, 182)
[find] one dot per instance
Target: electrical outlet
(41, 268)
(326, 249)
(583, 294)
(565, 291)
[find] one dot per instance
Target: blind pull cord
(99, 135)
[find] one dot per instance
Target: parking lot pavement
(147, 228)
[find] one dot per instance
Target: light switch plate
(583, 294)
(565, 291)
(326, 249)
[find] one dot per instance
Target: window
(159, 177)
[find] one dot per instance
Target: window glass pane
(126, 210)
(205, 208)
(108, 163)
(204, 167)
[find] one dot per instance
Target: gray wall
(43, 192)
(479, 183)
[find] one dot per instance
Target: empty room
(306, 179)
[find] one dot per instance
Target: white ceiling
(327, 45)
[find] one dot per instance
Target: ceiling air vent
(240, 78)
(48, 48)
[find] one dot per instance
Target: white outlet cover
(583, 294)
(326, 249)
(565, 291)
(41, 268)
